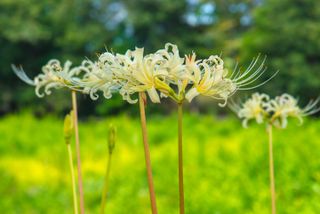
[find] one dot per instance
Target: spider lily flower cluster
(274, 111)
(161, 74)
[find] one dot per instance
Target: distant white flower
(285, 106)
(273, 111)
(253, 108)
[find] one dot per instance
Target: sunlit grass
(31, 171)
(224, 171)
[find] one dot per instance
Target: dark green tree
(32, 32)
(288, 32)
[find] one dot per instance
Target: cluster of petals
(274, 111)
(53, 75)
(161, 74)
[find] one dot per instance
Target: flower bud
(165, 89)
(111, 138)
(68, 127)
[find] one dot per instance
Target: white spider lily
(141, 74)
(172, 62)
(285, 106)
(96, 78)
(174, 65)
(209, 78)
(150, 73)
(53, 76)
(274, 111)
(50, 79)
(253, 108)
(135, 73)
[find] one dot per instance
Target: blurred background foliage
(32, 32)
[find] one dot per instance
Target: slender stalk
(271, 165)
(73, 178)
(180, 157)
(105, 185)
(147, 152)
(75, 110)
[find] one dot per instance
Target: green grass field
(226, 166)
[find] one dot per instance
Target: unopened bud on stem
(68, 127)
(111, 138)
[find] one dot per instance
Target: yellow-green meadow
(225, 165)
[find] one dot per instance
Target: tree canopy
(32, 32)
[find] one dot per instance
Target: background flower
(285, 106)
(274, 111)
(253, 108)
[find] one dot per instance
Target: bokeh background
(226, 166)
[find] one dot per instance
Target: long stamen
(252, 80)
(260, 69)
(248, 70)
(256, 86)
(311, 105)
(247, 76)
(22, 75)
(312, 112)
(234, 71)
(239, 72)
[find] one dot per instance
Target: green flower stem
(147, 152)
(73, 178)
(180, 157)
(106, 185)
(271, 165)
(75, 110)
